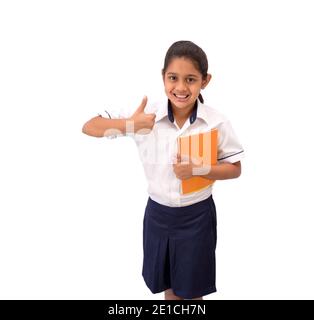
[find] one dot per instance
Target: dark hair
(189, 50)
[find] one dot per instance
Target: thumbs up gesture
(142, 122)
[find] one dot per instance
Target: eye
(172, 78)
(190, 80)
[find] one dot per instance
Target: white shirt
(158, 148)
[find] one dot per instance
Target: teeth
(180, 96)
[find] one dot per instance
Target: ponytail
(200, 97)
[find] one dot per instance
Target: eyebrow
(189, 75)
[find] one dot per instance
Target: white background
(72, 206)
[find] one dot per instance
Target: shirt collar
(192, 116)
(166, 110)
(202, 112)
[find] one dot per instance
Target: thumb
(142, 105)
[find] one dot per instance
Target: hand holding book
(186, 167)
(196, 154)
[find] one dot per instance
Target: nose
(181, 87)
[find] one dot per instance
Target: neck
(182, 113)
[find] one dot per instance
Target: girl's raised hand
(142, 122)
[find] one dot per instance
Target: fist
(183, 168)
(186, 167)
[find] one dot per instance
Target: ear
(206, 81)
(162, 75)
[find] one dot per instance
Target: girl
(179, 229)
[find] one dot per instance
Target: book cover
(201, 147)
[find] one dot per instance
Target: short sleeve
(229, 148)
(111, 113)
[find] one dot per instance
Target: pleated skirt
(179, 246)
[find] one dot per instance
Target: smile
(181, 97)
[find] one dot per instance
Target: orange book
(202, 147)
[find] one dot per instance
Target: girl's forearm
(224, 171)
(103, 127)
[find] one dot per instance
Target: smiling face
(183, 83)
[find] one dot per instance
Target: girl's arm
(224, 171)
(102, 127)
(140, 122)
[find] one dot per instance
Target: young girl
(179, 229)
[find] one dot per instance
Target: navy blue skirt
(179, 248)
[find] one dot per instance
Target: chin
(181, 104)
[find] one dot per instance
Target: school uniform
(179, 230)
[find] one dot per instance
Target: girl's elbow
(238, 173)
(86, 129)
(90, 131)
(237, 167)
